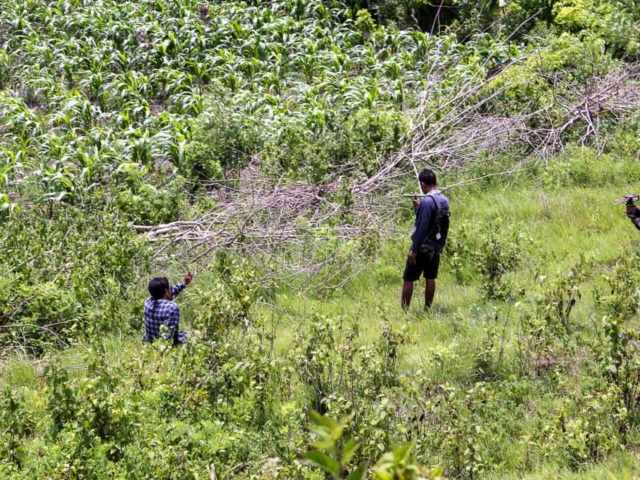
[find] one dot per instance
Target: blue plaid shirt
(163, 312)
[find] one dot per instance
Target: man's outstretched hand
(187, 278)
(631, 210)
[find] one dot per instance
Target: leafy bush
(223, 139)
(615, 21)
(68, 277)
(547, 325)
(148, 205)
(333, 453)
(358, 143)
(226, 301)
(499, 252)
(619, 356)
(580, 166)
(459, 252)
(16, 422)
(499, 15)
(531, 86)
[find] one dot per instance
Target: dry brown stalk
(281, 221)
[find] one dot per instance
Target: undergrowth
(122, 113)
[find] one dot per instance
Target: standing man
(427, 240)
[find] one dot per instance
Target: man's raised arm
(176, 289)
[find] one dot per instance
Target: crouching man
(160, 309)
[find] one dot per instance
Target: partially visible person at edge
(160, 309)
(633, 212)
(424, 256)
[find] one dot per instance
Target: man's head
(427, 180)
(159, 288)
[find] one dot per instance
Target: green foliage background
(121, 113)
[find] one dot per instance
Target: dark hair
(158, 286)
(428, 177)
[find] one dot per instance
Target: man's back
(426, 214)
(437, 200)
(161, 311)
(157, 313)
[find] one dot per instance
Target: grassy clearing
(121, 113)
(445, 346)
(582, 221)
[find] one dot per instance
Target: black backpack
(436, 237)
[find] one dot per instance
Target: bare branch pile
(262, 217)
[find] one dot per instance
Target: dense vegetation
(116, 117)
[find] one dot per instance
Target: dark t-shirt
(636, 219)
(424, 213)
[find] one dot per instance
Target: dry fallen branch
(282, 222)
(466, 134)
(285, 221)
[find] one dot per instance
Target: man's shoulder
(435, 196)
(171, 305)
(441, 197)
(162, 304)
(425, 200)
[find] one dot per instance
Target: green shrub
(579, 166)
(224, 138)
(615, 21)
(533, 85)
(150, 205)
(69, 276)
(358, 142)
(499, 253)
(16, 423)
(225, 302)
(459, 252)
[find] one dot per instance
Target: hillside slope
(265, 146)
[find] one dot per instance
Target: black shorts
(424, 265)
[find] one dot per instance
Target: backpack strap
(426, 248)
(435, 204)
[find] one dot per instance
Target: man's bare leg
(429, 292)
(407, 293)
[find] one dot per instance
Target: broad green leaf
(402, 453)
(319, 420)
(437, 472)
(379, 475)
(323, 444)
(349, 450)
(358, 473)
(323, 461)
(336, 433)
